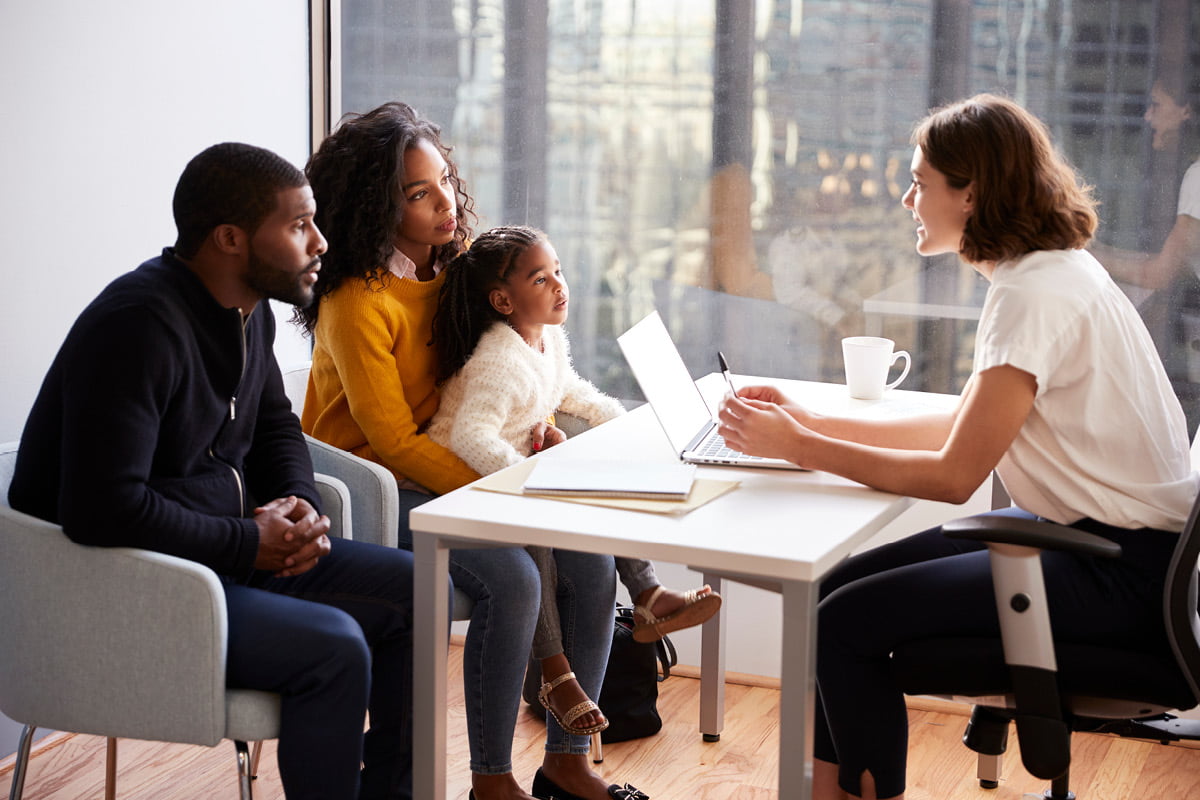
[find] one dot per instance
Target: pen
(725, 371)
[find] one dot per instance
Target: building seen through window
(738, 164)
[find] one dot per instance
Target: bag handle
(664, 648)
(667, 658)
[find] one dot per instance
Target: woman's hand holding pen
(762, 421)
(769, 394)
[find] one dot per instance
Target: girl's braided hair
(465, 310)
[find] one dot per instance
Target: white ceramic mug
(868, 361)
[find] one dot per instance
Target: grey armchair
(120, 642)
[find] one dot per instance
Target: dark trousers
(334, 642)
(930, 586)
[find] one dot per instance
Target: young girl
(1067, 401)
(505, 365)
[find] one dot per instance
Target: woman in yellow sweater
(395, 213)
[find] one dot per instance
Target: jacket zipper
(237, 476)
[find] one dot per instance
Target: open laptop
(687, 420)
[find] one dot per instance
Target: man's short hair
(228, 184)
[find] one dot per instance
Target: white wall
(101, 106)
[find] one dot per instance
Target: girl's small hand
(545, 435)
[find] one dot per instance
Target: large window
(739, 164)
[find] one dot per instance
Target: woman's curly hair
(465, 308)
(1027, 197)
(355, 176)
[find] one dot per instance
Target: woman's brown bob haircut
(1027, 197)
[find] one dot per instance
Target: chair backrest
(295, 384)
(1180, 598)
(8, 462)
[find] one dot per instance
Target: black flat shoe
(546, 789)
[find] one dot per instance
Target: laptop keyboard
(715, 447)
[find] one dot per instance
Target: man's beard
(278, 284)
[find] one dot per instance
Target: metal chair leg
(243, 763)
(110, 769)
(1060, 788)
(255, 755)
(988, 769)
(22, 765)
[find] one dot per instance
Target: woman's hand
(772, 395)
(758, 424)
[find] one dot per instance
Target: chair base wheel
(711, 737)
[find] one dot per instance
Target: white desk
(780, 529)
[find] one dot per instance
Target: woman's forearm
(926, 432)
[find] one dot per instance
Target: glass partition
(738, 164)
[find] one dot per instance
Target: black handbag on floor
(629, 696)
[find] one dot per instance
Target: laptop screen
(665, 380)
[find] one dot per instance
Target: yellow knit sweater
(371, 390)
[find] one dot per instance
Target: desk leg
(797, 689)
(431, 603)
(712, 670)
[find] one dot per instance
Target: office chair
(121, 642)
(1050, 689)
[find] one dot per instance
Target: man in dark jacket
(162, 424)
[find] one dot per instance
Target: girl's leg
(548, 649)
(637, 575)
(547, 636)
(657, 607)
(586, 597)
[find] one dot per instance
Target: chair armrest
(1014, 545)
(1031, 533)
(335, 502)
(109, 641)
(570, 424)
(374, 498)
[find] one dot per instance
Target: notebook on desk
(685, 417)
(629, 479)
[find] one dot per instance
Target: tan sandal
(696, 608)
(567, 720)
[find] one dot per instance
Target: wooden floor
(673, 765)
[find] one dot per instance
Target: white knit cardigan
(489, 407)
